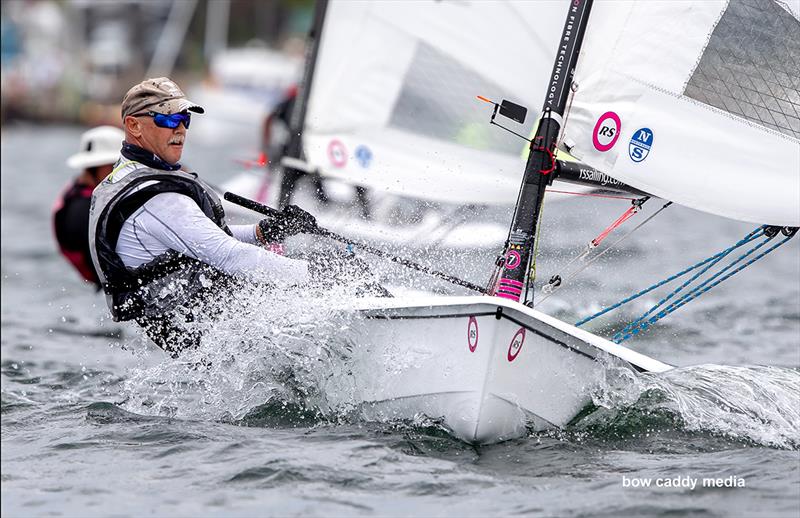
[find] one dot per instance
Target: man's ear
(133, 126)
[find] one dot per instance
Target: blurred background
(71, 61)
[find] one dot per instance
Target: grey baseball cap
(160, 95)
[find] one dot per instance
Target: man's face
(165, 142)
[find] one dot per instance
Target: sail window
(437, 100)
(750, 66)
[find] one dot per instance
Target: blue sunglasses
(169, 121)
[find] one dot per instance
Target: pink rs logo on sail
(606, 131)
(337, 153)
(472, 334)
(516, 344)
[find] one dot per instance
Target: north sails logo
(641, 144)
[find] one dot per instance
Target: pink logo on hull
(515, 346)
(472, 334)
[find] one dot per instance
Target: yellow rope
(116, 169)
(532, 271)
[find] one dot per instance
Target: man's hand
(291, 221)
(297, 221)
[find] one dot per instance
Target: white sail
(393, 102)
(695, 102)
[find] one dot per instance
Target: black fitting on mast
(540, 170)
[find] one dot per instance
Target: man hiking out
(158, 235)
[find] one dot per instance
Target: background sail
(393, 104)
(695, 102)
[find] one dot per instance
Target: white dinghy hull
(489, 368)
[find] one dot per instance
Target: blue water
(97, 423)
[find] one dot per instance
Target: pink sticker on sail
(606, 131)
(516, 344)
(337, 153)
(472, 334)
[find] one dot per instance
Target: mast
(298, 117)
(540, 169)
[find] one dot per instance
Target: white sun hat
(99, 146)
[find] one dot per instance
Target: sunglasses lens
(172, 121)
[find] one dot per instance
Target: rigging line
(601, 254)
(532, 270)
(444, 222)
(750, 237)
(594, 195)
(666, 311)
(693, 293)
(556, 279)
(637, 323)
(705, 287)
(619, 221)
(755, 234)
(523, 137)
(573, 88)
(456, 219)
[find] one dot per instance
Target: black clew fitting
(789, 231)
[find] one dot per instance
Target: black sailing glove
(291, 221)
(298, 221)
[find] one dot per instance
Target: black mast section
(298, 117)
(510, 281)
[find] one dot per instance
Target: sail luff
(512, 281)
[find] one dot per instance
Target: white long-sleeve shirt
(172, 221)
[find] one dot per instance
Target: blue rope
(716, 257)
(703, 288)
(750, 237)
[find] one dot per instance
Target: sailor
(99, 150)
(275, 140)
(276, 143)
(158, 235)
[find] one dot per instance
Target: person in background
(275, 142)
(276, 138)
(99, 150)
(158, 235)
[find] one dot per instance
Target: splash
(752, 404)
(287, 356)
(260, 350)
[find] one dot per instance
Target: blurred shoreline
(71, 62)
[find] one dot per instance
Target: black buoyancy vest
(171, 279)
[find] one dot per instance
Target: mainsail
(392, 105)
(695, 102)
